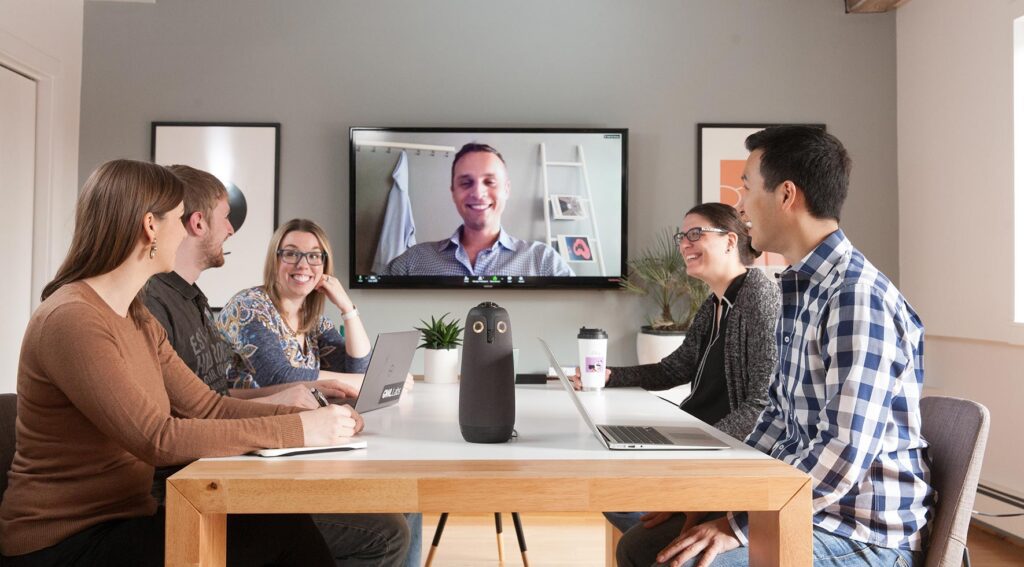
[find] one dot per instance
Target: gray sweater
(750, 354)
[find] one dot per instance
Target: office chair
(8, 416)
(956, 431)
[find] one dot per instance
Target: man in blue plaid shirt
(844, 405)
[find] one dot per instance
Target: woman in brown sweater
(103, 398)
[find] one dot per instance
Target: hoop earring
(152, 250)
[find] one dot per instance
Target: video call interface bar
(464, 281)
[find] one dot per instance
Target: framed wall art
(568, 207)
(721, 156)
(246, 158)
(576, 248)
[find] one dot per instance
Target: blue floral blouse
(268, 352)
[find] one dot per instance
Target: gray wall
(657, 67)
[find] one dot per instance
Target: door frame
(48, 234)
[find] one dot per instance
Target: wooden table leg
(612, 535)
(783, 537)
(193, 538)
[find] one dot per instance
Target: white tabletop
(425, 426)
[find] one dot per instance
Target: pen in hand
(320, 399)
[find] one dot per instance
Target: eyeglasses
(290, 256)
(694, 234)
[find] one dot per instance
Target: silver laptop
(638, 437)
(390, 361)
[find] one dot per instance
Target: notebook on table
(290, 451)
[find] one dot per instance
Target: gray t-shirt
(183, 311)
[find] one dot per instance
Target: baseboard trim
(1002, 496)
(1009, 537)
(1007, 528)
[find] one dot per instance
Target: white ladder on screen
(549, 204)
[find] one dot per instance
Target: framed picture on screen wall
(245, 157)
(721, 155)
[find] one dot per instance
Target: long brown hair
(313, 306)
(108, 220)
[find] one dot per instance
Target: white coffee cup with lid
(593, 349)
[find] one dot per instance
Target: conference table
(416, 460)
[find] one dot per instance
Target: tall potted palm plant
(659, 273)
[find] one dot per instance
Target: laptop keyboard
(636, 434)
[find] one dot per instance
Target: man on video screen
(480, 188)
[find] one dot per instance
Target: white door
(17, 183)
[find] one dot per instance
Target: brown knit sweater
(100, 402)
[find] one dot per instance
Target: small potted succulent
(441, 354)
(660, 274)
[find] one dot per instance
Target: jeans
(354, 539)
(640, 546)
(252, 539)
(623, 521)
(365, 539)
(415, 520)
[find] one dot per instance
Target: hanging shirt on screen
(399, 231)
(508, 256)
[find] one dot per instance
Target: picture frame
(721, 157)
(245, 156)
(568, 207)
(576, 248)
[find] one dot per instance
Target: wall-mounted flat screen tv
(523, 208)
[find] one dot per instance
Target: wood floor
(989, 550)
(578, 539)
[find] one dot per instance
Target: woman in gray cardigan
(729, 353)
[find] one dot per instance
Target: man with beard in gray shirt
(179, 305)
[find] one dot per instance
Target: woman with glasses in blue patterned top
(280, 334)
(279, 331)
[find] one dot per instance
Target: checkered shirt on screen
(509, 256)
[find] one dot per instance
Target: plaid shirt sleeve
(862, 362)
(769, 427)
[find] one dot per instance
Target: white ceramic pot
(652, 345)
(441, 366)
